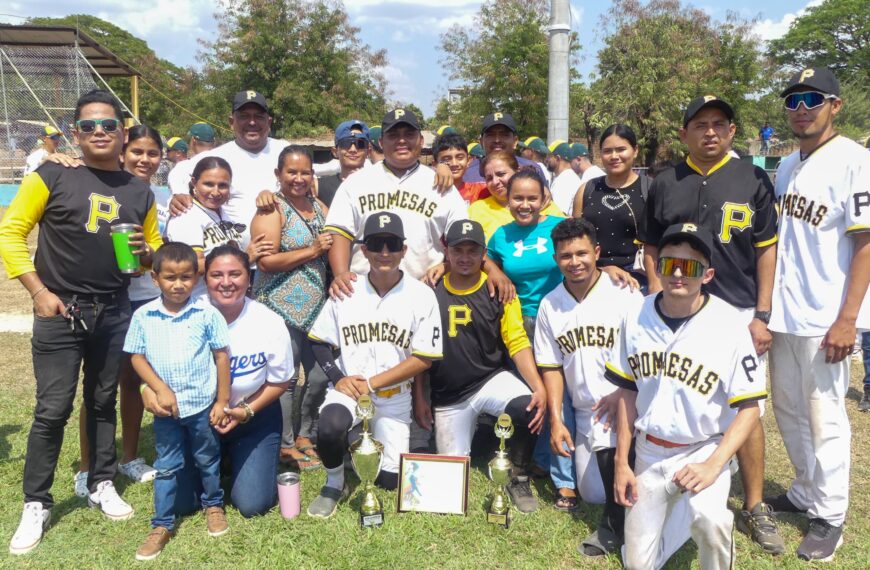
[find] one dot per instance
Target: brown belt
(664, 442)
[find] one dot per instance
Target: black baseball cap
(399, 116)
(698, 103)
(242, 98)
(462, 231)
(819, 79)
(384, 223)
(699, 237)
(494, 119)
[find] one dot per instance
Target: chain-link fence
(39, 86)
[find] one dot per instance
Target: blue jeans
(252, 448)
(177, 441)
(865, 346)
(561, 468)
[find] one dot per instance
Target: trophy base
(372, 520)
(503, 520)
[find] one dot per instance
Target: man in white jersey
(687, 367)
(388, 331)
(577, 328)
(822, 271)
(252, 155)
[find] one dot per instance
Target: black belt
(94, 298)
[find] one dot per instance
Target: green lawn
(82, 538)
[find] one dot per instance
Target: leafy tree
(834, 34)
(305, 57)
(502, 59)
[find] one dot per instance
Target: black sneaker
(822, 540)
(521, 494)
(864, 404)
(782, 504)
(760, 525)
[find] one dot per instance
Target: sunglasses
(226, 226)
(345, 144)
(90, 125)
(376, 244)
(691, 268)
(810, 99)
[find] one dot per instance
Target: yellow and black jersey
(480, 335)
(75, 209)
(734, 201)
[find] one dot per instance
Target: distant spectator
(765, 134)
(49, 141)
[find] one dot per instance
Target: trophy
(367, 455)
(500, 472)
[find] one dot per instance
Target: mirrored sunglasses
(810, 99)
(376, 243)
(691, 268)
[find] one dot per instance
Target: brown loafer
(154, 543)
(216, 521)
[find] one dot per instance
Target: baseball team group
(624, 321)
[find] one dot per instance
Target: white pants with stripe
(659, 523)
(809, 402)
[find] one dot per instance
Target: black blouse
(615, 213)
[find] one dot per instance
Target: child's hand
(166, 400)
(217, 416)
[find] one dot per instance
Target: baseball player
(689, 374)
(388, 331)
(734, 201)
(822, 270)
(577, 328)
(480, 335)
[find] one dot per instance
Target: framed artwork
(433, 483)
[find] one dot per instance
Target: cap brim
(695, 240)
(716, 104)
(237, 107)
(397, 123)
(464, 240)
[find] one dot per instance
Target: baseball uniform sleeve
(325, 327)
(764, 228)
(134, 342)
(185, 229)
(547, 353)
(650, 229)
(456, 207)
(745, 384)
(512, 332)
(218, 332)
(342, 217)
(427, 338)
(858, 206)
(617, 369)
(24, 212)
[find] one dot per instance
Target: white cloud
(770, 30)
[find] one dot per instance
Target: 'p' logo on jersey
(102, 208)
(806, 74)
(860, 200)
(459, 315)
(383, 221)
(734, 217)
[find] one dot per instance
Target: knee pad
(516, 409)
(335, 421)
(387, 480)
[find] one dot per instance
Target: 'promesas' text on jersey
(376, 332)
(797, 206)
(675, 366)
(402, 199)
(590, 335)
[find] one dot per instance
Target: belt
(91, 298)
(395, 390)
(664, 442)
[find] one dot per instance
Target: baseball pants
(809, 402)
(660, 522)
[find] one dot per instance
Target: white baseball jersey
(425, 213)
(822, 200)
(689, 381)
(563, 189)
(376, 333)
(579, 337)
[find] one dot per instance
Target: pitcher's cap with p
(819, 79)
(399, 116)
(384, 223)
(700, 238)
(494, 119)
(201, 131)
(242, 98)
(462, 231)
(698, 103)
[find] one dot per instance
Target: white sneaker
(138, 470)
(108, 501)
(81, 484)
(34, 521)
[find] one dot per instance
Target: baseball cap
(699, 237)
(201, 131)
(462, 231)
(578, 150)
(475, 150)
(244, 97)
(446, 130)
(375, 134)
(176, 143)
(537, 145)
(51, 131)
(345, 130)
(384, 223)
(698, 103)
(399, 116)
(561, 149)
(494, 119)
(816, 78)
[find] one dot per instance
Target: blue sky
(408, 29)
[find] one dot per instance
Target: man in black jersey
(480, 335)
(80, 304)
(734, 201)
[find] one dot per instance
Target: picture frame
(430, 483)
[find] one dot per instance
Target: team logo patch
(734, 217)
(806, 74)
(103, 208)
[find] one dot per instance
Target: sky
(409, 30)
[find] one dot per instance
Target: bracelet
(249, 413)
(369, 384)
(142, 386)
(38, 292)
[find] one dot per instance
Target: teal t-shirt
(525, 254)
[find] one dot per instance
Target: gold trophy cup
(367, 455)
(500, 472)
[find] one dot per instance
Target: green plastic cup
(128, 262)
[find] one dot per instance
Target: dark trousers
(59, 353)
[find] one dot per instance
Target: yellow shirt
(492, 215)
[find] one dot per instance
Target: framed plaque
(433, 483)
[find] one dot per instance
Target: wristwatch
(763, 316)
(249, 413)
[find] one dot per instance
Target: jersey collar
(715, 167)
(469, 291)
(407, 173)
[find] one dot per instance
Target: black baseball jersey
(735, 202)
(480, 334)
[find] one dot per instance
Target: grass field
(82, 538)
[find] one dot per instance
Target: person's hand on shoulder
(179, 204)
(64, 160)
(342, 285)
(443, 178)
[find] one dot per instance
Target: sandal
(309, 450)
(304, 463)
(566, 503)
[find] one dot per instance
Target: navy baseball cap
(462, 231)
(819, 79)
(399, 116)
(494, 119)
(698, 103)
(242, 98)
(346, 130)
(384, 223)
(699, 237)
